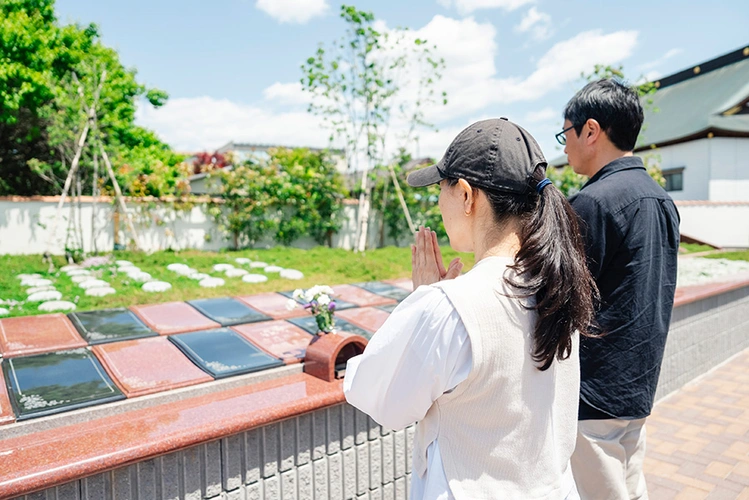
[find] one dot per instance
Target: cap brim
(425, 177)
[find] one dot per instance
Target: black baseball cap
(493, 154)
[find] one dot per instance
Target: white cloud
(537, 22)
(287, 93)
(465, 7)
(293, 11)
(476, 88)
(205, 123)
(542, 115)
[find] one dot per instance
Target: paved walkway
(698, 438)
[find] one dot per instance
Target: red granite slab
(369, 318)
(278, 338)
(687, 294)
(149, 365)
(55, 456)
(404, 283)
(173, 317)
(6, 411)
(360, 297)
(37, 334)
(273, 305)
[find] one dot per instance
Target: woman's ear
(466, 193)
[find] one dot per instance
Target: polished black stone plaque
(109, 325)
(227, 312)
(339, 304)
(309, 324)
(222, 352)
(45, 384)
(384, 289)
(388, 308)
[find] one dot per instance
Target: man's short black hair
(614, 105)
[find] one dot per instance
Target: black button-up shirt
(631, 230)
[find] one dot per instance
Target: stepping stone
(28, 276)
(127, 269)
(222, 267)
(123, 263)
(254, 278)
(37, 289)
(258, 264)
(156, 286)
(140, 276)
(65, 269)
(291, 274)
(78, 272)
(100, 291)
(174, 267)
(199, 276)
(235, 273)
(81, 279)
(44, 296)
(93, 284)
(187, 271)
(273, 269)
(212, 282)
(57, 305)
(4, 311)
(35, 282)
(242, 260)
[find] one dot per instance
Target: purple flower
(331, 306)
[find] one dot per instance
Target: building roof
(248, 146)
(709, 98)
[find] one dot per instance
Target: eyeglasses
(561, 138)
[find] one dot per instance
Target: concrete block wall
(704, 334)
(334, 453)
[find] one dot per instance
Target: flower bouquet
(319, 302)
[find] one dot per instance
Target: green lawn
(320, 266)
(695, 247)
(737, 255)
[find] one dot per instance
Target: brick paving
(698, 437)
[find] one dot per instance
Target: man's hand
(426, 260)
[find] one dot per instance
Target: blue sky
(231, 67)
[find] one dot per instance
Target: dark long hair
(550, 265)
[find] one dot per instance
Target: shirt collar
(618, 165)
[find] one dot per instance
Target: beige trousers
(607, 461)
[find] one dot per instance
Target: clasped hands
(426, 260)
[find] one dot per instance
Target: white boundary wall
(723, 224)
(26, 223)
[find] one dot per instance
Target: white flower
(323, 299)
(298, 294)
(291, 304)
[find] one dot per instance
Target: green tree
(42, 113)
(294, 193)
(421, 203)
(354, 85)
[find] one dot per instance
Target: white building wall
(729, 166)
(694, 156)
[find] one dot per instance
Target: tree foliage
(365, 81)
(42, 111)
(295, 193)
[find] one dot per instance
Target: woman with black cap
(486, 362)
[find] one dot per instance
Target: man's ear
(592, 131)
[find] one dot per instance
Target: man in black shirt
(631, 229)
